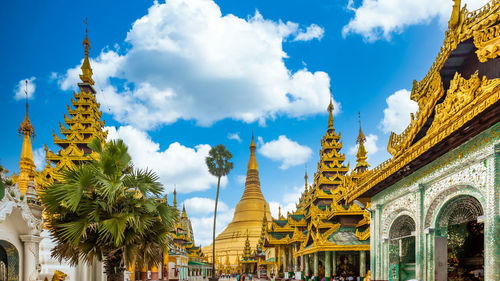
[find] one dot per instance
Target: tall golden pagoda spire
(252, 162)
(247, 215)
(26, 164)
(361, 165)
(82, 123)
(252, 183)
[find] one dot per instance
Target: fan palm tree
(108, 211)
(218, 165)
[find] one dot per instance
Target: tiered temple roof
(322, 220)
(82, 124)
(457, 99)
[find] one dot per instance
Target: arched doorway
(402, 249)
(459, 230)
(9, 262)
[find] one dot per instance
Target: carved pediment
(427, 99)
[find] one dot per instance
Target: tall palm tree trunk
(113, 266)
(213, 240)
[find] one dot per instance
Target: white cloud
(39, 158)
(370, 145)
(290, 207)
(313, 31)
(286, 151)
(203, 206)
(19, 93)
(203, 225)
(234, 136)
(376, 19)
(398, 110)
(188, 61)
(177, 165)
(288, 201)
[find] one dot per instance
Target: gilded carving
(487, 42)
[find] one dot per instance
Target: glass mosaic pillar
(328, 266)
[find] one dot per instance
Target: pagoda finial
(252, 162)
(26, 163)
(279, 212)
(175, 198)
(305, 178)
(86, 75)
(361, 165)
(184, 214)
(330, 112)
(26, 128)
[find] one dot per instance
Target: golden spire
(86, 75)
(184, 215)
(252, 183)
(175, 198)
(252, 162)
(305, 180)
(26, 164)
(330, 112)
(361, 165)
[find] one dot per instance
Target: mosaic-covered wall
(469, 173)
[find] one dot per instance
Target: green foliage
(218, 161)
(108, 211)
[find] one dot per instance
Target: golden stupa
(247, 218)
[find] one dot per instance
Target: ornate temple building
(325, 236)
(82, 124)
(435, 205)
(183, 260)
(247, 220)
(20, 215)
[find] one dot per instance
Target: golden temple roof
(82, 124)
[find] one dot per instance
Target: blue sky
(178, 77)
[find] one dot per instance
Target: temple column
(362, 263)
(328, 265)
(334, 263)
(31, 243)
(316, 264)
(154, 273)
(131, 273)
(296, 260)
(144, 273)
(283, 258)
(290, 253)
(306, 268)
(302, 263)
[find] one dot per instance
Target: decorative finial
(86, 75)
(252, 162)
(330, 111)
(361, 136)
(26, 128)
(306, 177)
(279, 212)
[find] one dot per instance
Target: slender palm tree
(218, 165)
(108, 211)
